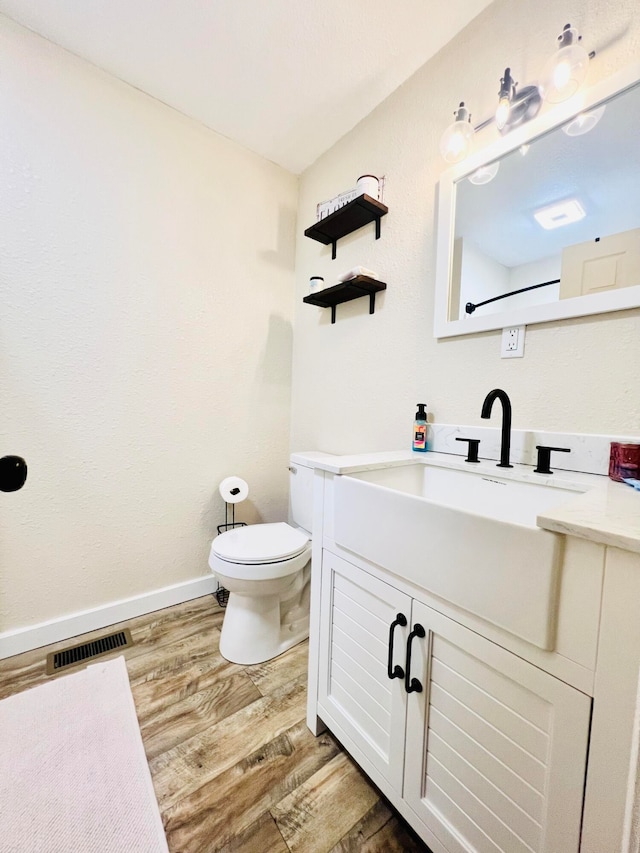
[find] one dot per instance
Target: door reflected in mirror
(547, 229)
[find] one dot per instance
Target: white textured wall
(146, 272)
(356, 383)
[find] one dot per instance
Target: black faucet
(505, 446)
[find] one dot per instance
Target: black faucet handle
(544, 458)
(472, 450)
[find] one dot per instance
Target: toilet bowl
(267, 569)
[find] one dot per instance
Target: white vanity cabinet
(495, 747)
(355, 693)
(483, 753)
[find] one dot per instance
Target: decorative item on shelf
(316, 283)
(325, 208)
(352, 273)
(457, 140)
(562, 76)
(566, 70)
(345, 291)
(368, 185)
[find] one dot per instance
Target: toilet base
(252, 631)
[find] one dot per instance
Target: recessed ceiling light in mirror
(485, 174)
(557, 215)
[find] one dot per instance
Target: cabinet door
(356, 698)
(496, 748)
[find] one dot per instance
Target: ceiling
(284, 78)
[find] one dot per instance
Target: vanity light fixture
(566, 71)
(562, 76)
(515, 107)
(456, 141)
(563, 213)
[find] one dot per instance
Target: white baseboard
(35, 636)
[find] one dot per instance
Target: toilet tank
(301, 496)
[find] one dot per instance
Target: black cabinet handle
(412, 685)
(395, 671)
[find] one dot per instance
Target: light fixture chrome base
(524, 106)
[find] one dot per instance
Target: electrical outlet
(512, 345)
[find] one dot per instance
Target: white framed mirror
(544, 223)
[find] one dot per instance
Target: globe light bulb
(562, 74)
(457, 140)
(502, 113)
(566, 71)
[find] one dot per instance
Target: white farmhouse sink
(468, 537)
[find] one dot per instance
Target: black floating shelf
(361, 285)
(352, 216)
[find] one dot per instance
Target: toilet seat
(258, 544)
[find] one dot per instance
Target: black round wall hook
(13, 473)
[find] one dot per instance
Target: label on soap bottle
(420, 436)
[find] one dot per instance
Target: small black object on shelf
(472, 451)
(345, 291)
(544, 458)
(353, 215)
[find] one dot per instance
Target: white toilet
(267, 569)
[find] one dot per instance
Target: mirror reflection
(552, 220)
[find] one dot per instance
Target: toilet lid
(260, 543)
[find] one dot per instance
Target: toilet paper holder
(233, 490)
(222, 594)
(229, 525)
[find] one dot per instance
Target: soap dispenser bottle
(420, 429)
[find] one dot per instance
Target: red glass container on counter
(624, 461)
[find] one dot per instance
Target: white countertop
(602, 511)
(608, 514)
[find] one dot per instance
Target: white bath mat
(73, 774)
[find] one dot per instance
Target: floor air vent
(77, 654)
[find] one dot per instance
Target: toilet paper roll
(233, 490)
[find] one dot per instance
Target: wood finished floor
(234, 766)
